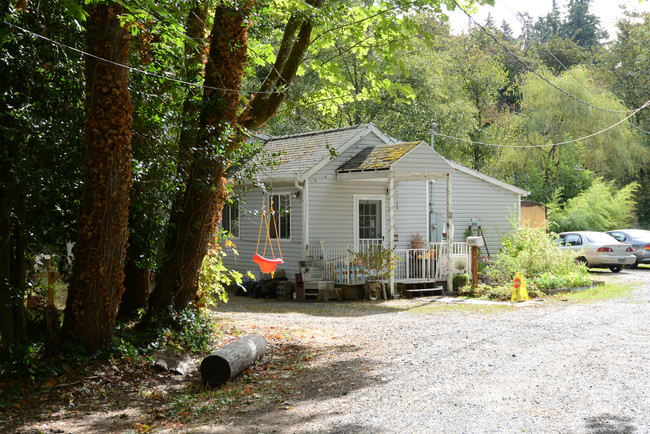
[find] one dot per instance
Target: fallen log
(231, 360)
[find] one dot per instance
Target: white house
(337, 190)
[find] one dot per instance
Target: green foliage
(552, 117)
(495, 292)
(215, 277)
(21, 360)
(551, 281)
(460, 280)
(187, 330)
(601, 208)
(531, 251)
(40, 124)
(379, 262)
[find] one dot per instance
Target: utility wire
(647, 103)
(131, 68)
(518, 18)
(531, 69)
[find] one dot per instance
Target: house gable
(301, 155)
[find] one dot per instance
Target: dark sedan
(640, 241)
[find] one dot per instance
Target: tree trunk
(136, 283)
(136, 289)
(13, 327)
(98, 269)
(203, 198)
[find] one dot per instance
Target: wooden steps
(421, 289)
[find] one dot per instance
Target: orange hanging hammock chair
(267, 265)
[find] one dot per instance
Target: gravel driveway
(539, 367)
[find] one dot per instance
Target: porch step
(420, 292)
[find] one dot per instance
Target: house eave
(385, 174)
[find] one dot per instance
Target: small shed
(533, 214)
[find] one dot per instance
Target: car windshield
(598, 238)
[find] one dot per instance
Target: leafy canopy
(602, 207)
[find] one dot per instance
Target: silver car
(638, 239)
(598, 250)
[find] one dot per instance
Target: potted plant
(460, 280)
(378, 264)
(416, 241)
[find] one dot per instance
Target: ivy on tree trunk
(98, 269)
(202, 200)
(220, 137)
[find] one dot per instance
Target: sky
(607, 10)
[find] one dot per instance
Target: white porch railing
(338, 262)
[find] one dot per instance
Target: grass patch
(597, 293)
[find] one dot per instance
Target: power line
(131, 68)
(529, 68)
(647, 103)
(518, 18)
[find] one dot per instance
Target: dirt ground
(417, 365)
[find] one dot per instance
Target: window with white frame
(230, 219)
(280, 222)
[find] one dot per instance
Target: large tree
(98, 269)
(626, 67)
(203, 199)
(161, 153)
(548, 118)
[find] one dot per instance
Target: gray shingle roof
(300, 152)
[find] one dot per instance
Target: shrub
(499, 292)
(531, 251)
(602, 207)
(460, 280)
(550, 281)
(189, 330)
(216, 277)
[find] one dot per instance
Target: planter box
(562, 290)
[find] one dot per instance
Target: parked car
(598, 250)
(638, 239)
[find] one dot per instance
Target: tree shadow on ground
(335, 309)
(610, 424)
(126, 398)
(332, 380)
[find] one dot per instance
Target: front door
(370, 222)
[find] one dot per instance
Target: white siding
(331, 202)
(411, 211)
(412, 202)
(249, 230)
(475, 198)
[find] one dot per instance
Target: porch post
(449, 234)
(391, 226)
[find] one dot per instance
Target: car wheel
(616, 268)
(583, 260)
(635, 265)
